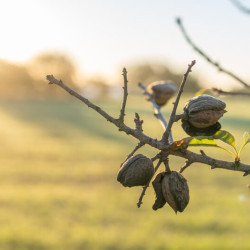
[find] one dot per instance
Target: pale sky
(104, 36)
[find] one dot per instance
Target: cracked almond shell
(159, 198)
(203, 113)
(175, 191)
(161, 91)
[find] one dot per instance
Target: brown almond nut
(203, 113)
(161, 91)
(175, 191)
(159, 198)
(136, 171)
(193, 131)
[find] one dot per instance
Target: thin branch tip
(50, 78)
(241, 7)
(165, 137)
(178, 20)
(187, 164)
(157, 111)
(206, 57)
(125, 95)
(164, 143)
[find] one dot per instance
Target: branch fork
(166, 146)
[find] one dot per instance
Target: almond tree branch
(179, 22)
(122, 127)
(241, 7)
(187, 164)
(214, 163)
(125, 95)
(160, 145)
(222, 92)
(172, 116)
(138, 146)
(138, 122)
(157, 111)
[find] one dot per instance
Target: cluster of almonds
(201, 115)
(169, 187)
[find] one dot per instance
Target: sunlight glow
(103, 37)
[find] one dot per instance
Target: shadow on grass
(59, 117)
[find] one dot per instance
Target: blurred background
(58, 187)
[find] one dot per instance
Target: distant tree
(150, 72)
(97, 85)
(15, 80)
(59, 63)
(27, 80)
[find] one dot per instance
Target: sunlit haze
(104, 36)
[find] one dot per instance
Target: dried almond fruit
(161, 91)
(202, 114)
(136, 171)
(175, 191)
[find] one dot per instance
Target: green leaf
(226, 137)
(246, 138)
(202, 141)
(206, 141)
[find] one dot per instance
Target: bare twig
(246, 174)
(157, 111)
(158, 156)
(214, 163)
(181, 116)
(145, 92)
(146, 186)
(53, 80)
(222, 92)
(166, 164)
(165, 160)
(122, 127)
(241, 7)
(144, 139)
(179, 22)
(192, 157)
(187, 164)
(172, 116)
(125, 95)
(138, 146)
(138, 122)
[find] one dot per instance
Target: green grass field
(58, 187)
